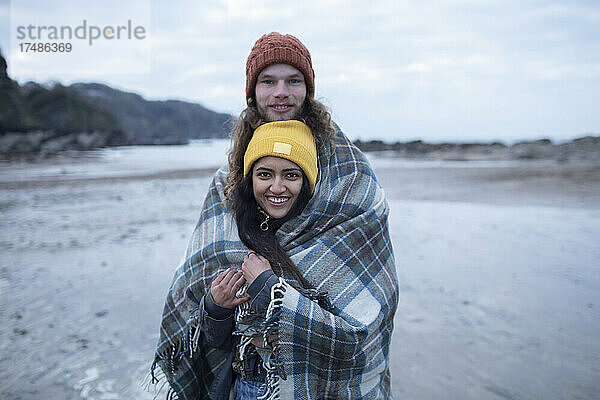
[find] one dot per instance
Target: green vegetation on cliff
(33, 114)
(15, 114)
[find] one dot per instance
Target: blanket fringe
(172, 395)
(188, 345)
(192, 336)
(274, 367)
(170, 357)
(157, 379)
(243, 311)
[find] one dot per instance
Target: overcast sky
(457, 70)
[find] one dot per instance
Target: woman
(280, 171)
(316, 319)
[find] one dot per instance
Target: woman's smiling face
(276, 183)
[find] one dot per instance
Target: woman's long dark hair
(265, 243)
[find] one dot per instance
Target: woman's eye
(263, 175)
(293, 175)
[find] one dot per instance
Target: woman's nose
(277, 186)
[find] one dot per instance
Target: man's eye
(295, 81)
(267, 81)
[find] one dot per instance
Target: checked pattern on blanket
(340, 244)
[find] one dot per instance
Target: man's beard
(264, 115)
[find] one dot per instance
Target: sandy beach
(498, 264)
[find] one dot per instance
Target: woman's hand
(225, 286)
(254, 265)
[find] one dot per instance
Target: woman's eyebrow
(283, 170)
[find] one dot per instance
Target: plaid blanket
(331, 349)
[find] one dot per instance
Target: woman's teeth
(277, 200)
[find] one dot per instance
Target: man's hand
(225, 286)
(254, 265)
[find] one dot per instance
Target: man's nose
(281, 90)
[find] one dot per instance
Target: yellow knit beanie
(292, 140)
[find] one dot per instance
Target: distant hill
(39, 119)
(585, 148)
(156, 122)
(62, 109)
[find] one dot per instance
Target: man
(280, 85)
(327, 332)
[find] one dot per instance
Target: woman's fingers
(229, 274)
(238, 283)
(250, 254)
(225, 278)
(237, 301)
(225, 287)
(220, 277)
(231, 279)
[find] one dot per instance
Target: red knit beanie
(274, 48)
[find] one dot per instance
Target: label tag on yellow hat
(282, 148)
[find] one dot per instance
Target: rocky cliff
(156, 122)
(45, 119)
(584, 149)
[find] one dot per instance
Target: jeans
(247, 390)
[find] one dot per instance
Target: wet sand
(498, 268)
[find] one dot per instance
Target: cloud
(442, 67)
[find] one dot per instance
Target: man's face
(280, 92)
